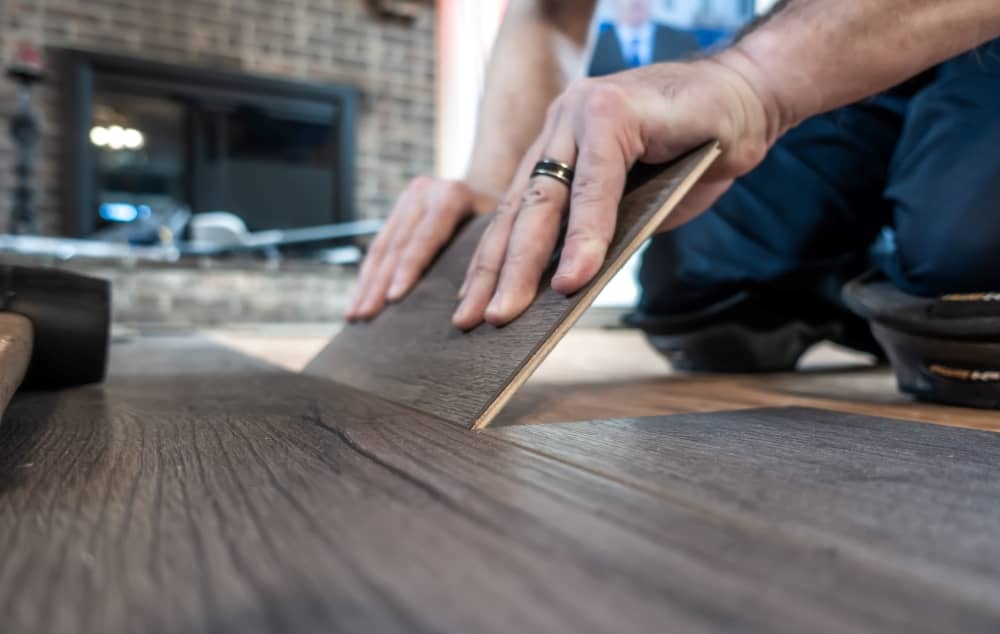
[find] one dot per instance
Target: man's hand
(541, 44)
(603, 127)
(425, 217)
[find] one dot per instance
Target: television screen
(631, 33)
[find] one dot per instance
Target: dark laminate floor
(241, 498)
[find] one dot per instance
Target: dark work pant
(915, 171)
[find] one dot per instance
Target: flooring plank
(412, 355)
(918, 497)
(265, 501)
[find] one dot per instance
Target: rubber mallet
(54, 329)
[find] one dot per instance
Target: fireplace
(142, 136)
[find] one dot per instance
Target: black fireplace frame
(78, 69)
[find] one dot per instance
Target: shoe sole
(943, 371)
(733, 348)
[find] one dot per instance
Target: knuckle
(484, 269)
(421, 183)
(585, 235)
(522, 259)
(399, 241)
(449, 200)
(579, 86)
(554, 108)
(506, 208)
(433, 215)
(428, 233)
(377, 247)
(411, 261)
(587, 190)
(603, 100)
(471, 267)
(592, 161)
(597, 152)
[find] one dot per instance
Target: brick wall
(391, 63)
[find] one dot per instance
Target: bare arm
(538, 51)
(808, 57)
(811, 56)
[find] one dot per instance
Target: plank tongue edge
(709, 154)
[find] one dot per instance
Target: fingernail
(496, 309)
(459, 314)
(356, 299)
(463, 289)
(564, 269)
(367, 307)
(396, 290)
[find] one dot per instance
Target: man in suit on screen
(634, 39)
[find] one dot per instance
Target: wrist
(481, 199)
(492, 167)
(486, 191)
(746, 61)
(484, 202)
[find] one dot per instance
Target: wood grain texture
(412, 355)
(16, 334)
(597, 373)
(609, 374)
(919, 498)
(262, 501)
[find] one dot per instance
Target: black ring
(554, 169)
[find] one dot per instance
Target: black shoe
(945, 349)
(753, 331)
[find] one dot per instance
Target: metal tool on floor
(54, 329)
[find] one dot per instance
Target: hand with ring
(593, 134)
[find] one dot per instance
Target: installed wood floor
(601, 373)
(202, 490)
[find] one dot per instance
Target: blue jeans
(915, 170)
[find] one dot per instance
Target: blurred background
(226, 161)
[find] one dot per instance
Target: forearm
(539, 49)
(811, 56)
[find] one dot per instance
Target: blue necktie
(636, 59)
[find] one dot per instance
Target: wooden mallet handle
(16, 340)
